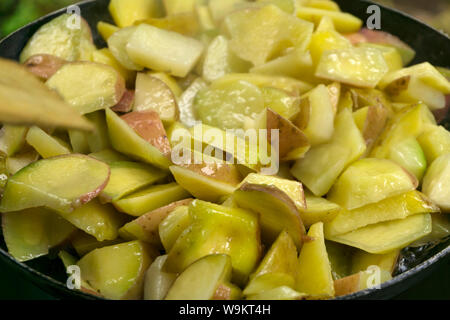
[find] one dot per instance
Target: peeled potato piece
(46, 145)
(126, 12)
(158, 282)
(436, 183)
(63, 183)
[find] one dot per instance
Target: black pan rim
(59, 286)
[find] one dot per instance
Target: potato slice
(157, 282)
(360, 67)
(440, 231)
(218, 229)
(152, 94)
(20, 161)
(201, 280)
(126, 12)
(227, 292)
(314, 271)
(318, 210)
(280, 293)
(30, 233)
(361, 261)
(88, 87)
(141, 202)
(98, 139)
(186, 102)
(60, 39)
(106, 29)
(148, 126)
(360, 281)
(391, 55)
(173, 225)
(324, 41)
(12, 139)
(281, 259)
(79, 141)
(424, 72)
(256, 40)
(220, 60)
(63, 183)
(179, 6)
(184, 23)
(46, 145)
(105, 56)
(117, 43)
(145, 228)
(436, 182)
(343, 22)
(277, 211)
(202, 186)
(108, 156)
(128, 177)
(435, 142)
(125, 140)
(84, 243)
(316, 117)
(148, 45)
(96, 219)
(44, 66)
(387, 236)
(220, 9)
(399, 207)
(409, 155)
(411, 89)
(340, 259)
(372, 123)
(369, 181)
(27, 101)
(117, 272)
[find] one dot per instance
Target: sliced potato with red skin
(149, 126)
(30, 233)
(125, 104)
(25, 100)
(88, 86)
(125, 140)
(62, 183)
(145, 228)
(277, 211)
(44, 66)
(360, 281)
(369, 181)
(152, 94)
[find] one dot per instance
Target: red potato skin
(375, 36)
(126, 103)
(441, 114)
(149, 126)
(44, 66)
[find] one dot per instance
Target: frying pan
(430, 45)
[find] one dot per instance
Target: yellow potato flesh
(46, 145)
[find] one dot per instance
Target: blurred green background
(16, 13)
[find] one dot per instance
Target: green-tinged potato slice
(261, 34)
(117, 272)
(141, 202)
(20, 161)
(173, 225)
(318, 210)
(218, 229)
(84, 243)
(201, 186)
(314, 271)
(277, 211)
(25, 100)
(360, 67)
(145, 228)
(117, 43)
(157, 282)
(409, 155)
(100, 221)
(125, 140)
(148, 46)
(128, 177)
(186, 102)
(46, 145)
(435, 142)
(12, 139)
(278, 268)
(61, 38)
(88, 86)
(440, 231)
(201, 280)
(436, 183)
(109, 156)
(387, 236)
(369, 181)
(280, 293)
(79, 141)
(399, 207)
(63, 183)
(98, 139)
(31, 233)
